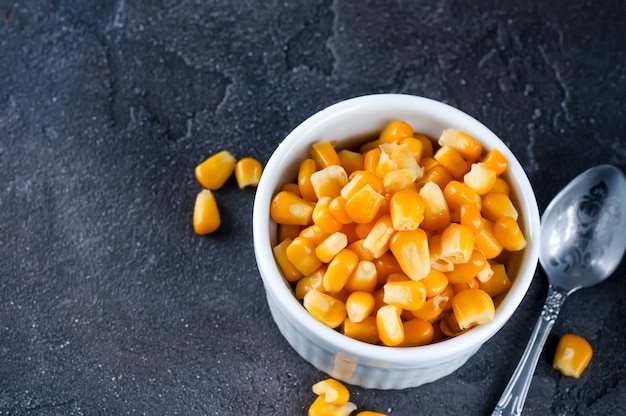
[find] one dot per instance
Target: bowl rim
(332, 339)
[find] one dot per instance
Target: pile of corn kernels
(402, 242)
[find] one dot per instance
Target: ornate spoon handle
(512, 400)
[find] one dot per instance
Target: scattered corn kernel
(215, 171)
(248, 172)
(332, 391)
(320, 408)
(573, 354)
(206, 216)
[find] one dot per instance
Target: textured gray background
(110, 304)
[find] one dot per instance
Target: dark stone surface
(110, 304)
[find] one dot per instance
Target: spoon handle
(512, 400)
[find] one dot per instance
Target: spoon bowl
(583, 238)
(582, 230)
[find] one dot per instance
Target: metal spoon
(583, 237)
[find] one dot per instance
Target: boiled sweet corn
(325, 308)
(572, 356)
(396, 243)
(215, 171)
(248, 172)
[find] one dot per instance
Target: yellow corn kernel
(359, 305)
(573, 354)
(206, 216)
(377, 240)
(438, 261)
(291, 187)
(215, 171)
(324, 154)
(466, 145)
(363, 278)
(487, 242)
(307, 168)
(409, 295)
(438, 174)
(415, 145)
(389, 325)
(314, 233)
(370, 413)
(485, 273)
(288, 231)
(509, 235)
(320, 408)
(445, 298)
(497, 205)
(399, 180)
(457, 193)
(361, 251)
(457, 243)
(248, 172)
(398, 277)
(301, 253)
(429, 163)
(436, 211)
(395, 131)
(333, 244)
(351, 161)
(331, 391)
(337, 208)
(449, 325)
(363, 229)
(498, 283)
(470, 216)
(430, 310)
(417, 332)
(500, 185)
(322, 218)
(410, 248)
(310, 282)
(451, 160)
(357, 180)
(386, 265)
(385, 163)
(325, 308)
(472, 283)
(466, 271)
(496, 161)
(329, 181)
(287, 208)
(427, 145)
(290, 272)
(339, 270)
(434, 283)
(407, 210)
(365, 330)
(363, 206)
(472, 307)
(371, 158)
(480, 178)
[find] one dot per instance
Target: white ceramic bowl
(355, 362)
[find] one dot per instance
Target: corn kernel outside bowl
(350, 123)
